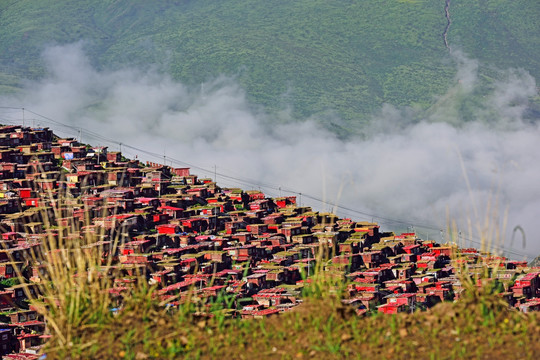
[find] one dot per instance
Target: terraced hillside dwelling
(189, 238)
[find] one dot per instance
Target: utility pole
(22, 116)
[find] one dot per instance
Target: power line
(255, 183)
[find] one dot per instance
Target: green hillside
(319, 56)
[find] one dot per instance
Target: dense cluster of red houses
(189, 236)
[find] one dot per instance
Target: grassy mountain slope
(318, 56)
(499, 32)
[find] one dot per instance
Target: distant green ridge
(320, 57)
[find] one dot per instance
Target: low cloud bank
(423, 172)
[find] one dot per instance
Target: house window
(9, 270)
(32, 316)
(4, 337)
(22, 318)
(19, 293)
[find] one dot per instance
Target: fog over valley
(408, 169)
